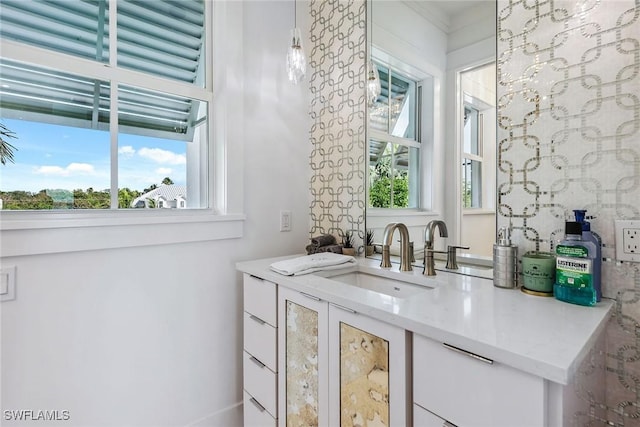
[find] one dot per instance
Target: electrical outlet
(628, 240)
(285, 220)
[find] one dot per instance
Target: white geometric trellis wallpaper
(338, 114)
(569, 138)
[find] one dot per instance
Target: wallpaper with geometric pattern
(338, 114)
(569, 138)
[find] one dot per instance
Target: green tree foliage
(91, 199)
(76, 199)
(466, 195)
(25, 200)
(150, 188)
(380, 190)
(126, 196)
(6, 149)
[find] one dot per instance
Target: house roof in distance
(166, 191)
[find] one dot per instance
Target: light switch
(8, 283)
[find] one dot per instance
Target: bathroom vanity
(369, 346)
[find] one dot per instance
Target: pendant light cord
(371, 33)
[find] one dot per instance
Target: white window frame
(479, 158)
(40, 232)
(430, 79)
(389, 138)
(487, 164)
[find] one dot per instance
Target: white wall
(151, 336)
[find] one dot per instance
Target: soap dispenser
(505, 258)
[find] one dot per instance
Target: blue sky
(61, 157)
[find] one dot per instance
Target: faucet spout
(405, 253)
(429, 263)
(429, 229)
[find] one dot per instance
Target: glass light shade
(373, 84)
(296, 61)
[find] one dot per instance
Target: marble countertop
(539, 335)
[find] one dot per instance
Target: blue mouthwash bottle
(574, 267)
(591, 236)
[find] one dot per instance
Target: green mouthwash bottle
(591, 236)
(575, 260)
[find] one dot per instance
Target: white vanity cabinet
(260, 367)
(369, 366)
(303, 359)
(310, 361)
(338, 367)
(454, 387)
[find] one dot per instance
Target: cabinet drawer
(260, 339)
(424, 418)
(260, 299)
(254, 416)
(261, 383)
(466, 391)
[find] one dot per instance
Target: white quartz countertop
(539, 335)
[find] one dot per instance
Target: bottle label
(573, 267)
(572, 251)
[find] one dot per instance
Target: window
(108, 102)
(472, 156)
(394, 142)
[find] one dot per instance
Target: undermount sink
(381, 285)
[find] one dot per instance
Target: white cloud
(161, 156)
(80, 168)
(71, 169)
(50, 170)
(127, 151)
(164, 171)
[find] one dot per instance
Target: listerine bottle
(575, 258)
(591, 236)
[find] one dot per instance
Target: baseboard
(230, 416)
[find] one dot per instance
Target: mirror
(431, 134)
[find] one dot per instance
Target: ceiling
(448, 15)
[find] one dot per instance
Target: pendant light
(373, 78)
(373, 84)
(296, 61)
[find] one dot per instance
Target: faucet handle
(429, 264)
(452, 262)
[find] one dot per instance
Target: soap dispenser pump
(505, 258)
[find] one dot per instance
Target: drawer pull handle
(257, 319)
(341, 307)
(468, 353)
(257, 362)
(258, 405)
(313, 297)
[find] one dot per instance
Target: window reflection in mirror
(431, 44)
(394, 146)
(477, 158)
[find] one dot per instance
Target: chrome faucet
(429, 263)
(405, 253)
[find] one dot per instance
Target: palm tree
(6, 149)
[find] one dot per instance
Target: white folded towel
(310, 263)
